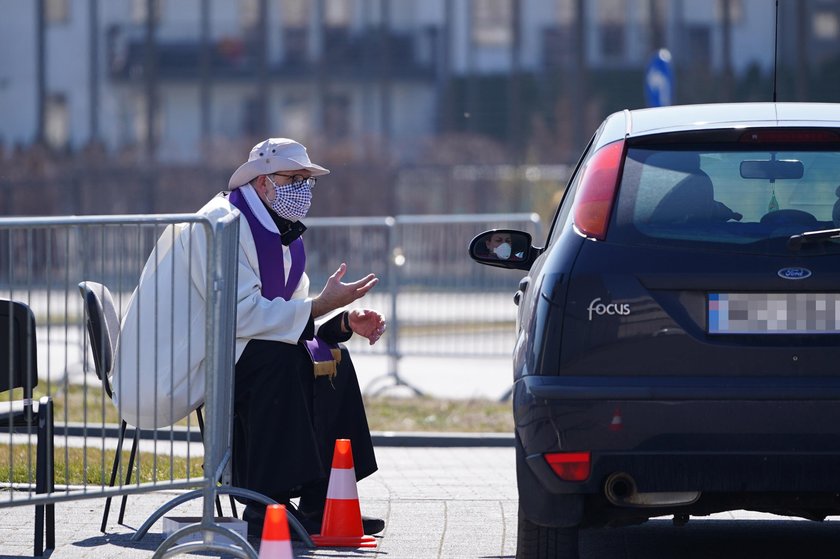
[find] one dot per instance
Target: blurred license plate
(774, 313)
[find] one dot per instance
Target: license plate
(774, 313)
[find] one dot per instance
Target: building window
(295, 19)
(294, 13)
(295, 40)
(825, 26)
(141, 121)
(699, 42)
(296, 118)
(491, 22)
(249, 13)
(140, 9)
(57, 11)
(736, 11)
(336, 116)
(559, 46)
(611, 22)
(337, 43)
(559, 40)
(57, 121)
(612, 40)
(252, 116)
(566, 12)
(337, 13)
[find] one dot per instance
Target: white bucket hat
(271, 156)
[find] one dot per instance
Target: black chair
(103, 326)
(19, 369)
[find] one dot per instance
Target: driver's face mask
(291, 201)
(502, 251)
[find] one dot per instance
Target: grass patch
(86, 466)
(432, 414)
(85, 404)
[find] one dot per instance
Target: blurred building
(171, 77)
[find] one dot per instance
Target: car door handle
(523, 285)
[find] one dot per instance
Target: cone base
(344, 541)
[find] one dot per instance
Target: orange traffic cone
(342, 523)
(275, 537)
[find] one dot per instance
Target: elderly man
(296, 390)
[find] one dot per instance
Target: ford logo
(794, 273)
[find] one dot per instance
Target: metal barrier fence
(437, 301)
(42, 261)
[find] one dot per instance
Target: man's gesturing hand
(337, 294)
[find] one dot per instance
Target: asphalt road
(446, 503)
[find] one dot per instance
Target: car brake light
(594, 201)
(788, 136)
(570, 466)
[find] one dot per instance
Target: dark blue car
(678, 337)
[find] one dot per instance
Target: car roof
(642, 122)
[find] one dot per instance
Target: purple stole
(273, 279)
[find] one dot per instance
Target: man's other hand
(367, 323)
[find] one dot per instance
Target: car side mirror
(504, 248)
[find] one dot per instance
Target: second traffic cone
(275, 537)
(342, 523)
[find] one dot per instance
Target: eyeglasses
(307, 181)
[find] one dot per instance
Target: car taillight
(594, 200)
(789, 136)
(570, 466)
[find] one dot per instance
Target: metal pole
(514, 89)
(262, 69)
(444, 71)
(471, 94)
(206, 62)
(385, 75)
(580, 96)
(321, 84)
(803, 73)
(151, 79)
(726, 7)
(41, 70)
(93, 22)
(655, 29)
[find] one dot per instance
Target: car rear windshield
(751, 201)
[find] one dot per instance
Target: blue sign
(659, 80)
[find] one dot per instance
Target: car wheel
(541, 542)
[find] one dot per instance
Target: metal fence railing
(42, 261)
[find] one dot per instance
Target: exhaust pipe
(620, 490)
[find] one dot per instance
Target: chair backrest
(103, 325)
(691, 198)
(18, 352)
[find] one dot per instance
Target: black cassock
(286, 421)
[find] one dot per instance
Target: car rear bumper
(717, 472)
(722, 435)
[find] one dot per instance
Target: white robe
(159, 374)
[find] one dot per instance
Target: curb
(380, 438)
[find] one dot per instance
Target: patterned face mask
(291, 201)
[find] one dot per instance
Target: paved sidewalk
(437, 503)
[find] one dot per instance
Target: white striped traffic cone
(342, 522)
(275, 537)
